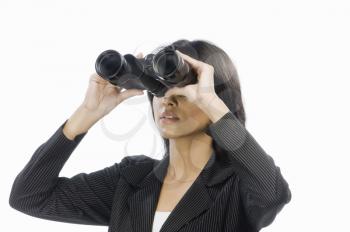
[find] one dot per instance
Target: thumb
(130, 93)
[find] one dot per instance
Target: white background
(292, 58)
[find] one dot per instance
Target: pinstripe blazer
(239, 189)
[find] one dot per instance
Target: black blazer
(239, 189)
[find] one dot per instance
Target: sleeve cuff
(59, 143)
(76, 139)
(228, 132)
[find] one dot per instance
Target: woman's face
(191, 119)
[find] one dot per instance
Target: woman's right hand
(102, 97)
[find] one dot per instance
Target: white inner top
(159, 219)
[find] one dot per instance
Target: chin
(177, 134)
(167, 135)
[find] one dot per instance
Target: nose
(168, 100)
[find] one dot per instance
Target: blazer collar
(144, 199)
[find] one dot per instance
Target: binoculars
(156, 72)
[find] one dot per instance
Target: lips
(168, 115)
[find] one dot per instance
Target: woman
(214, 176)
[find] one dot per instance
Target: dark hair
(226, 82)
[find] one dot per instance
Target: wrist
(214, 107)
(79, 122)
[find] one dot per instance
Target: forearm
(34, 183)
(80, 122)
(255, 167)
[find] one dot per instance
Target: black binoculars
(156, 72)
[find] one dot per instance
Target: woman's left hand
(201, 93)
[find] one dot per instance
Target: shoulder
(133, 160)
(134, 168)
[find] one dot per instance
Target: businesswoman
(214, 176)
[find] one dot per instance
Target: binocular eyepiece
(156, 72)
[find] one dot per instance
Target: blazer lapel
(194, 202)
(143, 202)
(144, 199)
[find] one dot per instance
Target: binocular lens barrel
(166, 63)
(109, 64)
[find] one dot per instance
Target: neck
(188, 156)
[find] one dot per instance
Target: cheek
(154, 106)
(196, 118)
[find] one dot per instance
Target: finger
(95, 76)
(114, 87)
(196, 64)
(98, 79)
(139, 55)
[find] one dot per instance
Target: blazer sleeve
(83, 199)
(263, 189)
